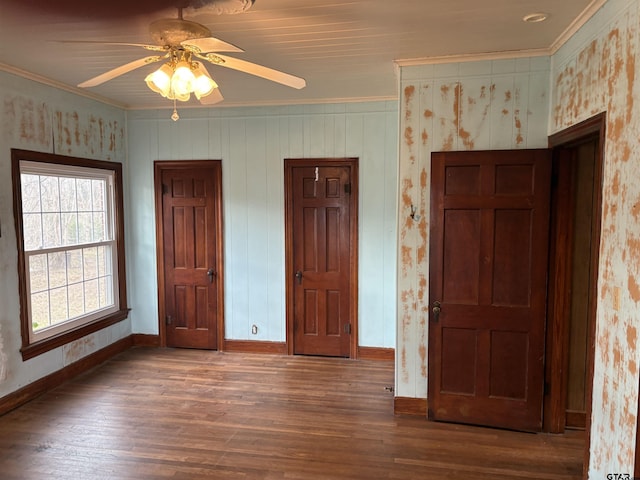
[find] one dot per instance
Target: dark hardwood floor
(188, 414)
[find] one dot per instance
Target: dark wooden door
(322, 265)
(191, 252)
(488, 270)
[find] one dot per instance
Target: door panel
(191, 258)
(488, 258)
(320, 216)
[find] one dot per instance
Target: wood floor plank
(153, 414)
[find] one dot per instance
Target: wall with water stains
(596, 71)
(486, 105)
(36, 117)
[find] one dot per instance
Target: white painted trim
(276, 103)
(577, 23)
(473, 57)
(59, 85)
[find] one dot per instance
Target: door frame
(289, 164)
(557, 324)
(158, 167)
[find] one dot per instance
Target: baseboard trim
(575, 420)
(145, 340)
(377, 353)
(410, 406)
(250, 346)
(37, 388)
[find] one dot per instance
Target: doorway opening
(576, 211)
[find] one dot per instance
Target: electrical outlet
(254, 329)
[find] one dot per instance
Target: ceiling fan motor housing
(173, 31)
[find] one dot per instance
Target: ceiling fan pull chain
(174, 116)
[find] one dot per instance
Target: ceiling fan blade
(257, 70)
(210, 44)
(213, 97)
(155, 48)
(121, 70)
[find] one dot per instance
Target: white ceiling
(344, 49)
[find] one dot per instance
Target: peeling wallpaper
(41, 118)
(459, 106)
(506, 104)
(597, 71)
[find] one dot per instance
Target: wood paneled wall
(252, 144)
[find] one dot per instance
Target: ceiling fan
(181, 42)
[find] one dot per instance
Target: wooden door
(188, 196)
(321, 272)
(488, 265)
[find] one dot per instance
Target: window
(70, 247)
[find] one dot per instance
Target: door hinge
(347, 328)
(165, 189)
(547, 388)
(168, 320)
(347, 188)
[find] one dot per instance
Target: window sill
(38, 348)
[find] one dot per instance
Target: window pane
(91, 297)
(30, 193)
(102, 267)
(83, 187)
(102, 292)
(50, 194)
(59, 311)
(69, 228)
(57, 269)
(76, 300)
(90, 259)
(109, 298)
(38, 275)
(99, 191)
(51, 230)
(74, 266)
(40, 310)
(85, 227)
(68, 194)
(98, 227)
(32, 231)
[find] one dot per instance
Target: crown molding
(576, 25)
(59, 85)
(274, 103)
(472, 57)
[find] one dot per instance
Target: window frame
(32, 348)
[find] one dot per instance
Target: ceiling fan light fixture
(203, 84)
(160, 80)
(182, 80)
